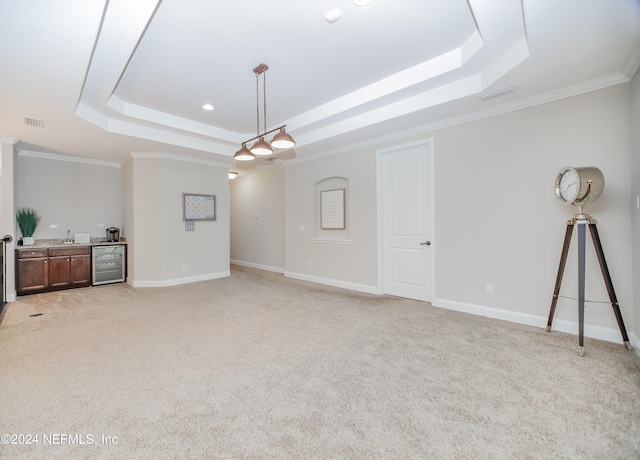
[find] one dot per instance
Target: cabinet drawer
(31, 253)
(77, 251)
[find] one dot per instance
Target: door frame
(380, 154)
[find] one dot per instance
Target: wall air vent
(33, 122)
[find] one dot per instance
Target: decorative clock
(578, 185)
(198, 207)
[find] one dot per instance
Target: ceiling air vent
(498, 93)
(33, 122)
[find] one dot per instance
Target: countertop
(59, 243)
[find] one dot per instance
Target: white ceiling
(110, 78)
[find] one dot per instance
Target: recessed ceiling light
(332, 16)
(362, 2)
(207, 107)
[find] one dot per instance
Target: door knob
(426, 243)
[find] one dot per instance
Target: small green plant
(28, 220)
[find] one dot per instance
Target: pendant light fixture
(282, 140)
(244, 154)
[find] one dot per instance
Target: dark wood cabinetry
(69, 267)
(45, 269)
(32, 270)
(80, 270)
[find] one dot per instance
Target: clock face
(569, 185)
(577, 186)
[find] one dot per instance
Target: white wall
(635, 196)
(128, 217)
(75, 196)
(352, 265)
(8, 211)
(497, 220)
(163, 253)
(257, 219)
(146, 247)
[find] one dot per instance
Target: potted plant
(28, 220)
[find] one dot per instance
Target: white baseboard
(570, 327)
(178, 281)
(258, 266)
(334, 283)
(635, 342)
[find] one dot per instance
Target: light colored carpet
(261, 366)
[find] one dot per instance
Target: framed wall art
(198, 207)
(332, 209)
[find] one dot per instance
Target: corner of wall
(635, 202)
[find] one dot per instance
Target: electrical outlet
(184, 266)
(489, 288)
(53, 225)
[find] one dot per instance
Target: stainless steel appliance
(108, 264)
(113, 234)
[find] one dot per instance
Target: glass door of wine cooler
(108, 264)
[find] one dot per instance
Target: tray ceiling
(112, 78)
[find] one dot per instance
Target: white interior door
(406, 210)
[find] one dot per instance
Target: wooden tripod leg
(607, 280)
(582, 236)
(563, 262)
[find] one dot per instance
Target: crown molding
(552, 96)
(8, 140)
(633, 63)
(68, 158)
(113, 164)
(174, 157)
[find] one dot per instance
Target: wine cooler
(109, 264)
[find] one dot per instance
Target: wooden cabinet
(32, 270)
(53, 268)
(69, 267)
(80, 270)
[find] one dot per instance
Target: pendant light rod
(259, 70)
(264, 134)
(264, 95)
